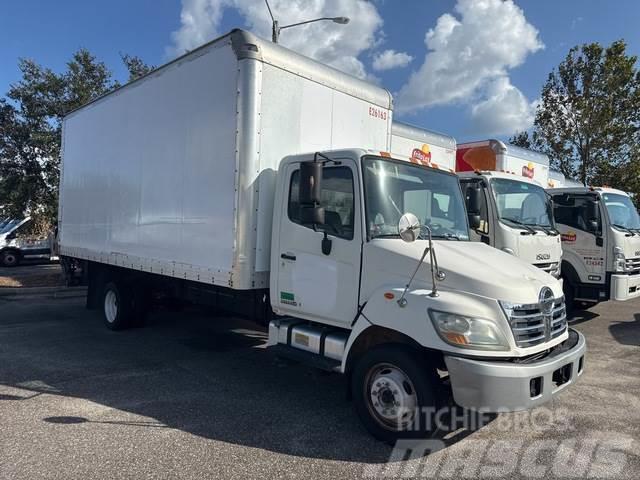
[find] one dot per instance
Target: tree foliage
(588, 119)
(31, 122)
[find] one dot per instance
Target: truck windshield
(521, 203)
(395, 187)
(622, 212)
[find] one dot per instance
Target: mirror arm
(436, 274)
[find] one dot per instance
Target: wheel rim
(9, 259)
(110, 306)
(391, 396)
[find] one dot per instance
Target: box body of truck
(494, 155)
(424, 147)
(174, 173)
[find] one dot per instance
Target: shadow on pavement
(581, 316)
(190, 372)
(627, 333)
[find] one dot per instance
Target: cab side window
(337, 200)
(571, 211)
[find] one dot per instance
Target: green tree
(521, 139)
(31, 125)
(589, 115)
(136, 66)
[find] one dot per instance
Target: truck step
(306, 340)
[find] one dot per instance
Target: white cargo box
(174, 173)
(422, 146)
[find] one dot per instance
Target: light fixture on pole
(276, 28)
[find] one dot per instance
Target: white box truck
(600, 231)
(192, 181)
(515, 213)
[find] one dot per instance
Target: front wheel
(395, 393)
(9, 258)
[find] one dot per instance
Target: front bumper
(625, 287)
(502, 386)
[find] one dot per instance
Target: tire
(117, 307)
(406, 399)
(569, 294)
(10, 258)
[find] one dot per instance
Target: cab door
(582, 246)
(312, 284)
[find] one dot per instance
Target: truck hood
(630, 245)
(471, 267)
(539, 248)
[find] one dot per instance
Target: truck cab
(350, 283)
(600, 231)
(505, 189)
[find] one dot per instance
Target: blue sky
(519, 49)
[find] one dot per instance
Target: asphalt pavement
(195, 395)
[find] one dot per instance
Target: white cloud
(469, 56)
(505, 110)
(390, 59)
(336, 45)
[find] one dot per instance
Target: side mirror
(11, 236)
(409, 227)
(311, 193)
(474, 200)
(474, 221)
(592, 215)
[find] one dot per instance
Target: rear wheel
(9, 258)
(117, 306)
(394, 395)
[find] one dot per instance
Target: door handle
(286, 256)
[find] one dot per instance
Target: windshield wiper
(519, 223)
(622, 227)
(448, 236)
(386, 235)
(548, 229)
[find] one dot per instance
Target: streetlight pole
(276, 28)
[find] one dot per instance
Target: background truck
(514, 210)
(600, 231)
(193, 182)
(18, 242)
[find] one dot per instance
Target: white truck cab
(600, 231)
(505, 190)
(16, 247)
(362, 281)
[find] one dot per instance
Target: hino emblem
(543, 256)
(545, 300)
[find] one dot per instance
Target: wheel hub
(393, 399)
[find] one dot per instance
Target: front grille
(551, 268)
(531, 327)
(633, 265)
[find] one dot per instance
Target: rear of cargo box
(174, 174)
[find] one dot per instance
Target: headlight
(619, 260)
(508, 250)
(468, 332)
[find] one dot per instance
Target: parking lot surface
(195, 395)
